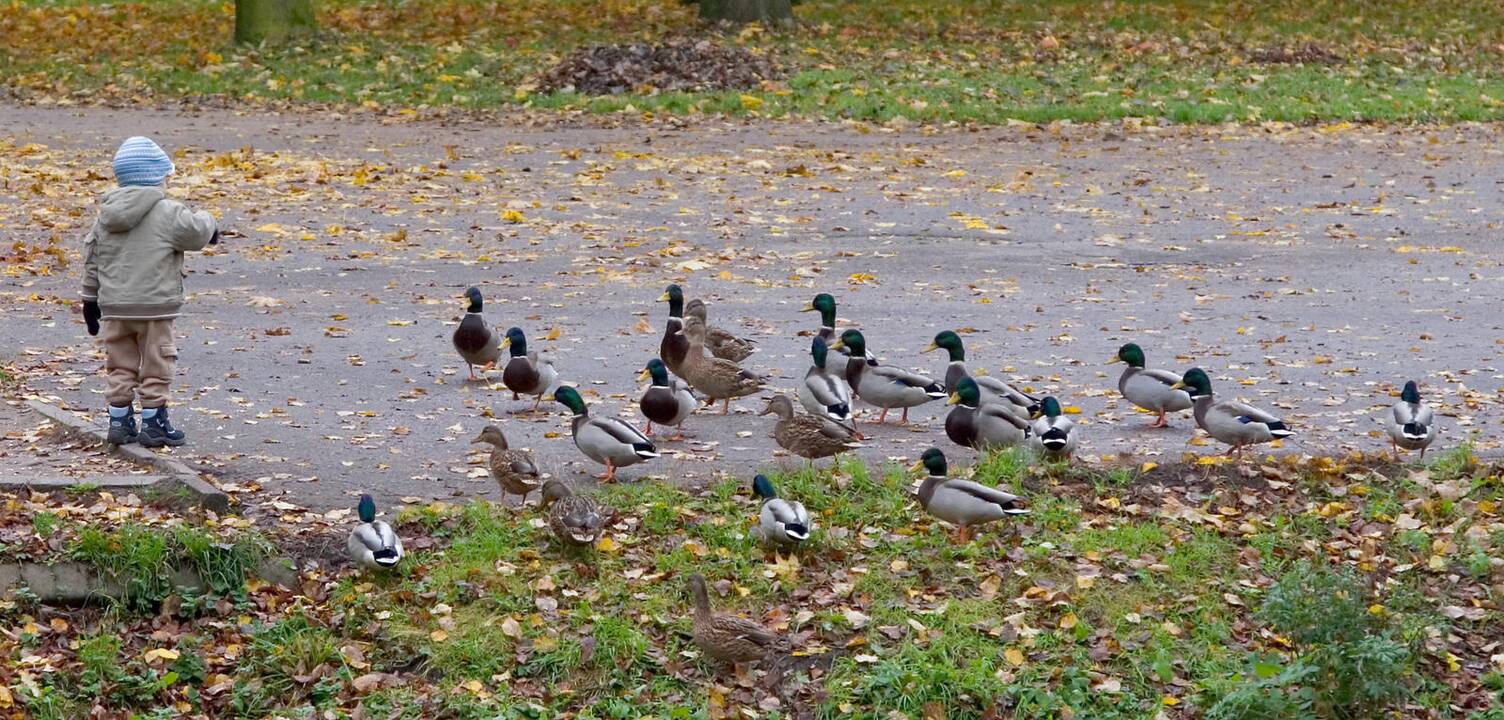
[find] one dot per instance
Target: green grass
(1078, 609)
(983, 61)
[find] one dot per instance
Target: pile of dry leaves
(674, 66)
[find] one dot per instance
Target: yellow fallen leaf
(1069, 621)
(438, 636)
(1014, 656)
(606, 545)
(552, 334)
(514, 216)
(751, 102)
(160, 654)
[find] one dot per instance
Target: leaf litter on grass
(1136, 600)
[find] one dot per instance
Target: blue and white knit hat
(139, 161)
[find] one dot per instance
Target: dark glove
(215, 239)
(91, 316)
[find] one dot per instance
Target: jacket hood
(124, 207)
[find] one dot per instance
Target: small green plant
(1348, 663)
(44, 523)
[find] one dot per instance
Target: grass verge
(982, 61)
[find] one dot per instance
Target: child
(133, 282)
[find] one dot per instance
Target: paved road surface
(1310, 271)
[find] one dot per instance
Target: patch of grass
(984, 61)
(144, 559)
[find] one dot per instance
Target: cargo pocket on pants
(169, 351)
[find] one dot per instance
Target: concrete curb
(174, 473)
(72, 583)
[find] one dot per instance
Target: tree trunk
(272, 21)
(768, 12)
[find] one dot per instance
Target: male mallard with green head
(824, 394)
(606, 440)
(982, 427)
(962, 503)
(668, 401)
(825, 304)
(373, 544)
(1053, 434)
(528, 372)
(476, 341)
(780, 522)
(1151, 389)
(675, 344)
(884, 386)
(1411, 423)
(992, 389)
(1230, 421)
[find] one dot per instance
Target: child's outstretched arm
(191, 231)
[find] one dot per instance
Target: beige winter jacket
(133, 256)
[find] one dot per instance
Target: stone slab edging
(172, 472)
(70, 582)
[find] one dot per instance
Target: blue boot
(122, 428)
(157, 430)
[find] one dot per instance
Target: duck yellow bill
(506, 342)
(1114, 359)
(664, 298)
(808, 308)
(643, 375)
(837, 345)
(918, 465)
(955, 399)
(1178, 386)
(930, 348)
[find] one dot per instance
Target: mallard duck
(476, 341)
(982, 427)
(808, 436)
(962, 503)
(372, 544)
(514, 470)
(993, 390)
(729, 638)
(825, 304)
(527, 373)
(1053, 434)
(575, 520)
(668, 401)
(1152, 390)
(884, 386)
(1410, 425)
(675, 345)
(720, 342)
(781, 522)
(606, 440)
(823, 393)
(1229, 421)
(716, 378)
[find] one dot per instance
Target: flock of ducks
(699, 364)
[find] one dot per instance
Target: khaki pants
(140, 357)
